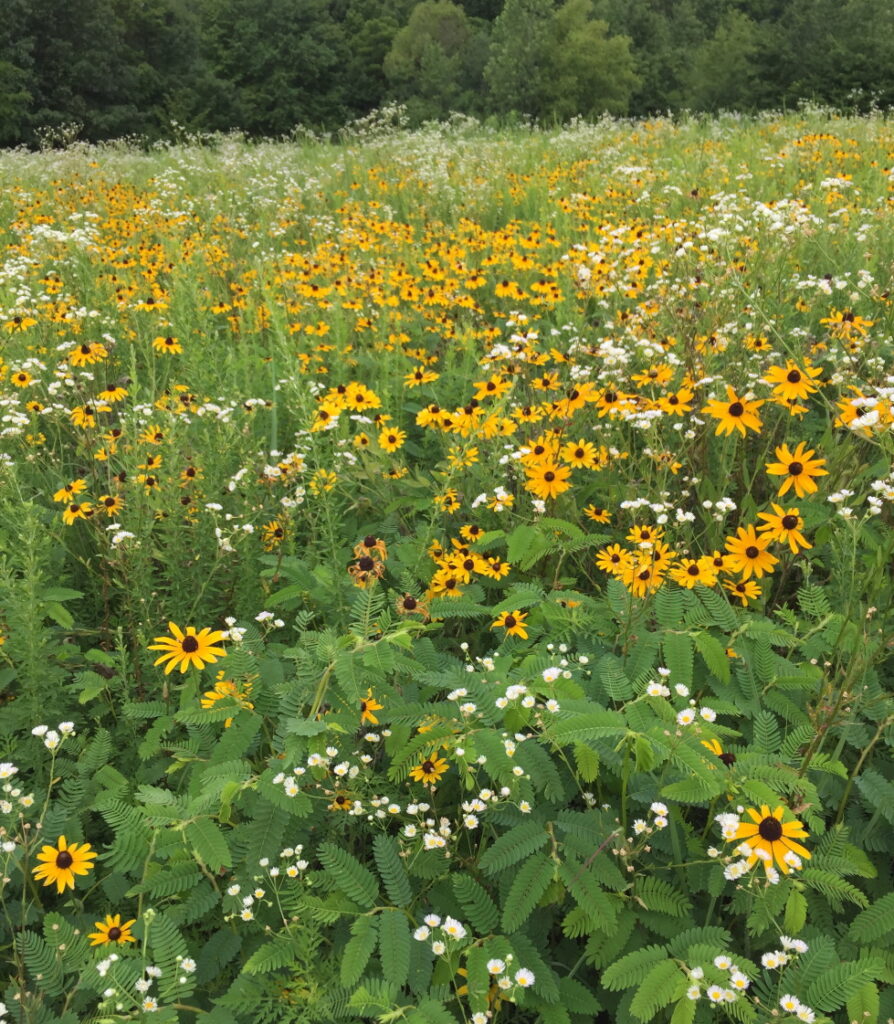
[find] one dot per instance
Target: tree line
(134, 67)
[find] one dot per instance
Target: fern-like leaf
(632, 968)
(358, 949)
(394, 946)
(527, 887)
(477, 904)
(391, 868)
(659, 987)
(874, 922)
(352, 877)
(513, 846)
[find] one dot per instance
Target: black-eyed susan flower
(735, 413)
(716, 748)
(189, 649)
(373, 546)
(430, 770)
(799, 469)
(614, 559)
(748, 553)
(227, 688)
(368, 706)
(784, 525)
(791, 382)
(272, 534)
(409, 605)
(111, 504)
(547, 480)
(770, 839)
(112, 930)
(513, 623)
(744, 590)
(390, 439)
(598, 514)
(69, 491)
(167, 346)
(690, 571)
(60, 863)
(76, 510)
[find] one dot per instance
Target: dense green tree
(588, 72)
(724, 70)
(280, 62)
(520, 43)
(435, 62)
(558, 63)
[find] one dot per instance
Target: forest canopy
(134, 67)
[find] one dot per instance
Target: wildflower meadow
(446, 576)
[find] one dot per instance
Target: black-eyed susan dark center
(189, 644)
(789, 522)
(752, 552)
(64, 859)
(770, 829)
(736, 409)
(428, 767)
(795, 468)
(114, 934)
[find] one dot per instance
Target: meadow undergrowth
(446, 576)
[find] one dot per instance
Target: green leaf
(662, 897)
(715, 657)
(632, 968)
(833, 988)
(394, 946)
(352, 877)
(209, 844)
(43, 965)
(766, 736)
(358, 949)
(863, 1005)
(795, 912)
(527, 887)
(513, 846)
(574, 727)
(874, 922)
(394, 875)
(280, 952)
(678, 657)
(587, 761)
(477, 903)
(657, 989)
(684, 1011)
(836, 890)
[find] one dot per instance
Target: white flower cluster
(793, 1005)
(450, 930)
(737, 982)
(52, 738)
(780, 957)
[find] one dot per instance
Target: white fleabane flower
(421, 933)
(524, 977)
(496, 966)
(453, 928)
